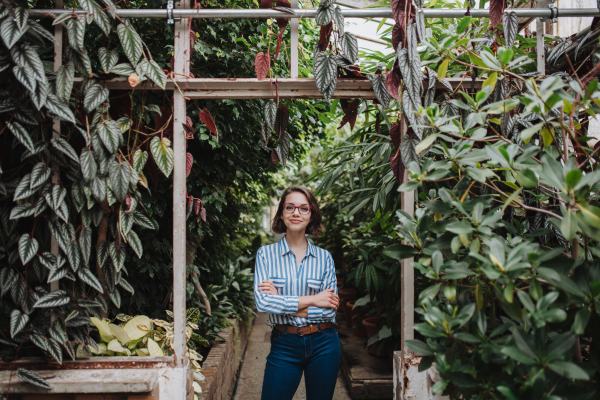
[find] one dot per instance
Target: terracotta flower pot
(372, 329)
(356, 318)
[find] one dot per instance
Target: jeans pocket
(330, 332)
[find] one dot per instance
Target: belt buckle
(300, 333)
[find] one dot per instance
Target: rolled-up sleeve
(329, 282)
(274, 304)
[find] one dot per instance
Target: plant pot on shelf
(372, 329)
(356, 318)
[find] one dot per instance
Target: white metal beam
(294, 43)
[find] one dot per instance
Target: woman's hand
(326, 299)
(267, 287)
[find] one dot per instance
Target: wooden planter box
(97, 378)
(222, 364)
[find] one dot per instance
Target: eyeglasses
(289, 208)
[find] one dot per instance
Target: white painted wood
(294, 43)
(182, 57)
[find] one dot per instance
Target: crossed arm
(322, 305)
(324, 299)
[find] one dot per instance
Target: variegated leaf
(76, 33)
(109, 139)
(26, 77)
(325, 69)
(124, 69)
(338, 17)
(98, 187)
(59, 109)
(64, 146)
(10, 32)
(136, 244)
(32, 378)
(53, 299)
(117, 257)
(349, 45)
(283, 150)
(324, 15)
(108, 59)
(22, 135)
(163, 154)
(270, 113)
(131, 43)
(26, 55)
(408, 150)
(89, 167)
(28, 248)
(119, 176)
(156, 74)
(88, 277)
(39, 96)
(511, 27)
(94, 96)
(17, 322)
(64, 81)
(380, 89)
(139, 160)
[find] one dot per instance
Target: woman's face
(296, 221)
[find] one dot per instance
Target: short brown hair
(314, 226)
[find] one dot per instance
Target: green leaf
(507, 392)
(17, 322)
(568, 225)
(443, 70)
(64, 81)
(22, 135)
(108, 59)
(88, 277)
(163, 154)
(26, 77)
(518, 355)
(489, 60)
(53, 299)
(349, 45)
(10, 32)
(527, 178)
(64, 146)
(28, 248)
(419, 348)
(89, 168)
(131, 43)
(429, 293)
(581, 320)
(117, 257)
(139, 160)
(425, 143)
(94, 96)
(32, 378)
(324, 15)
(119, 176)
(59, 109)
(569, 370)
(156, 74)
(76, 33)
(400, 251)
(85, 244)
(124, 69)
(135, 243)
(325, 69)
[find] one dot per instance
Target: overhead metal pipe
(310, 13)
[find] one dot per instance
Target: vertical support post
(294, 23)
(58, 37)
(540, 32)
(181, 73)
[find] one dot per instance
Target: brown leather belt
(305, 330)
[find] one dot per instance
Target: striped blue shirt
(316, 273)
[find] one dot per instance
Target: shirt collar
(285, 248)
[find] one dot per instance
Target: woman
(295, 283)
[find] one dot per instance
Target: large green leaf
(76, 33)
(53, 299)
(32, 378)
(108, 137)
(59, 109)
(156, 74)
(108, 59)
(139, 160)
(89, 167)
(22, 135)
(26, 76)
(10, 32)
(94, 96)
(17, 322)
(349, 45)
(64, 146)
(131, 43)
(163, 154)
(28, 248)
(119, 175)
(64, 81)
(325, 70)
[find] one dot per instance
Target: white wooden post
(539, 36)
(58, 37)
(182, 57)
(294, 23)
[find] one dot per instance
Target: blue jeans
(317, 355)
